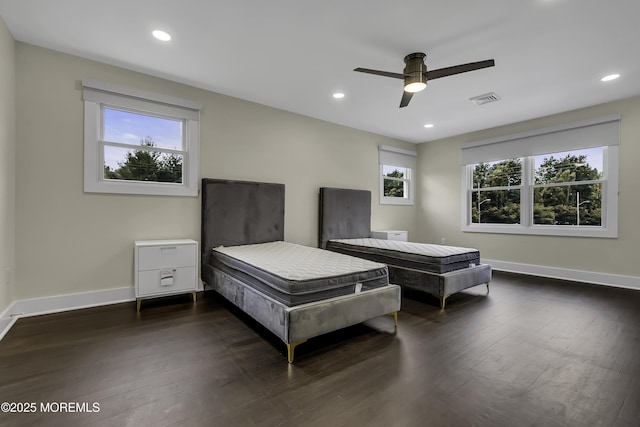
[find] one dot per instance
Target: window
(396, 175)
(558, 181)
(567, 188)
(139, 143)
(496, 192)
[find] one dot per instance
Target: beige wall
(440, 202)
(69, 241)
(7, 166)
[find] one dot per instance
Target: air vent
(485, 99)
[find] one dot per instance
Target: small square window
(396, 175)
(395, 181)
(139, 143)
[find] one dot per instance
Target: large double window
(139, 143)
(556, 181)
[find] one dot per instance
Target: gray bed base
(346, 214)
(240, 212)
(441, 285)
(295, 325)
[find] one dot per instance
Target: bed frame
(346, 214)
(240, 212)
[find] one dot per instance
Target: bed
(296, 292)
(345, 227)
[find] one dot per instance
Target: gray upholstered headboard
(344, 214)
(239, 213)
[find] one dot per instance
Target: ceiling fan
(415, 74)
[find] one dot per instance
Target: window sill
(542, 230)
(396, 201)
(141, 188)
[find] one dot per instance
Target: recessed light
(610, 77)
(161, 35)
(338, 95)
(428, 125)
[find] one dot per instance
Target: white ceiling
(293, 54)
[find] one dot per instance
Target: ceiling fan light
(415, 80)
(415, 87)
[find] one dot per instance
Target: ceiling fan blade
(381, 73)
(406, 97)
(457, 69)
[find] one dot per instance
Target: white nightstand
(390, 235)
(165, 267)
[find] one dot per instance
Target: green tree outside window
(147, 165)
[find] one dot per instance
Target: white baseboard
(58, 303)
(6, 321)
(628, 282)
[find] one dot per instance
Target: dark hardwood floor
(534, 352)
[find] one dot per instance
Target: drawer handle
(172, 250)
(167, 276)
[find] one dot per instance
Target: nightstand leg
(193, 294)
(138, 302)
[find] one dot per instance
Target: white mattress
(420, 256)
(425, 249)
(295, 274)
(297, 262)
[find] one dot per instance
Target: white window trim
(393, 156)
(611, 162)
(96, 95)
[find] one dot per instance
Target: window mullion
(390, 178)
(101, 162)
(568, 183)
(142, 147)
(526, 195)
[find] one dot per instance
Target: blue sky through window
(594, 157)
(386, 170)
(131, 128)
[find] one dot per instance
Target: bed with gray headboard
(296, 292)
(345, 227)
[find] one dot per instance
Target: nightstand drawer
(166, 281)
(165, 256)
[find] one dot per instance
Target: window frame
(400, 158)
(609, 181)
(100, 95)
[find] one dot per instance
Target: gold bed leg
(291, 348)
(443, 299)
(395, 318)
(193, 295)
(138, 302)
